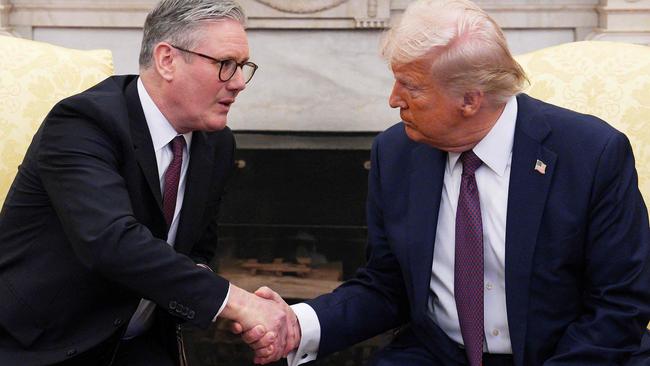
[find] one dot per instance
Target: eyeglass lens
(229, 67)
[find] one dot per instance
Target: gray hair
(176, 21)
(468, 48)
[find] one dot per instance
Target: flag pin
(540, 167)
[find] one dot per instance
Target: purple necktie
(172, 177)
(468, 267)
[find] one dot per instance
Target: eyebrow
(405, 80)
(229, 56)
(235, 58)
(208, 57)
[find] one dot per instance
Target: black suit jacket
(82, 233)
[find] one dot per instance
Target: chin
(418, 137)
(216, 124)
(413, 134)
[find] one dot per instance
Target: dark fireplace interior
(293, 195)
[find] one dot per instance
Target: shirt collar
(496, 147)
(162, 132)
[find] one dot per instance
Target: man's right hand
(263, 322)
(265, 348)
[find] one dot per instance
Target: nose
(237, 82)
(395, 101)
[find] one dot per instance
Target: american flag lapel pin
(540, 167)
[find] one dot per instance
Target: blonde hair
(467, 47)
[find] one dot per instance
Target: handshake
(265, 321)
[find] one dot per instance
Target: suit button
(191, 314)
(172, 305)
(117, 322)
(185, 311)
(71, 352)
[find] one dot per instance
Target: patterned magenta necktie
(468, 267)
(172, 177)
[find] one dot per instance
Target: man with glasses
(108, 228)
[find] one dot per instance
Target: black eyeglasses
(228, 67)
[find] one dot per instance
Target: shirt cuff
(223, 305)
(310, 335)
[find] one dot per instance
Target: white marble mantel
(319, 63)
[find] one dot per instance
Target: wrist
(235, 305)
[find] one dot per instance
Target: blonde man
(501, 230)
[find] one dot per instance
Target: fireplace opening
(293, 219)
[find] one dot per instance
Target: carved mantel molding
(5, 8)
(601, 19)
(302, 6)
(276, 14)
(323, 14)
(623, 20)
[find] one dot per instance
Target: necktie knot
(470, 161)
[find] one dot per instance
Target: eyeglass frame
(220, 62)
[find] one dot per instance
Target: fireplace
(295, 197)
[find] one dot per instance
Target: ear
(164, 61)
(472, 101)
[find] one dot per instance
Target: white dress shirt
(492, 179)
(162, 133)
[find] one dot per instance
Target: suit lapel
(425, 180)
(197, 184)
(142, 144)
(198, 175)
(527, 196)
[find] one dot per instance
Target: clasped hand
(266, 323)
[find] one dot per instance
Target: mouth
(227, 102)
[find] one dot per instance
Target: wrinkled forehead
(420, 67)
(224, 38)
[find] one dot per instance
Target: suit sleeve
(79, 164)
(375, 300)
(616, 277)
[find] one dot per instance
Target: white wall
(318, 71)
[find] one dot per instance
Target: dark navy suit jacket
(82, 232)
(577, 244)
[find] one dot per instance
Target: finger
(265, 341)
(265, 352)
(290, 336)
(261, 360)
(236, 328)
(265, 360)
(272, 352)
(293, 336)
(256, 333)
(281, 341)
(267, 355)
(272, 295)
(265, 292)
(280, 347)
